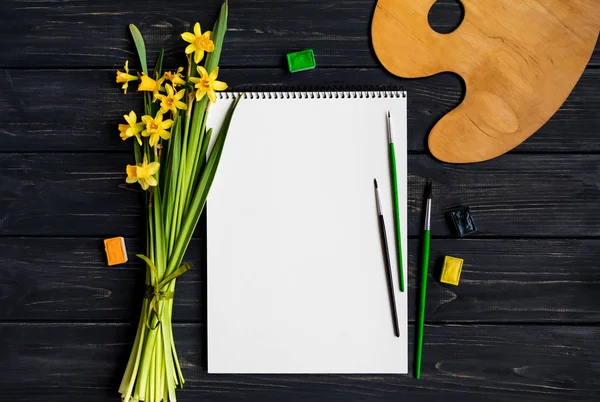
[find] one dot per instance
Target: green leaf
(199, 199)
(165, 160)
(204, 149)
(137, 152)
(160, 256)
(151, 266)
(218, 34)
(180, 271)
(173, 162)
(196, 138)
(194, 142)
(140, 46)
(158, 64)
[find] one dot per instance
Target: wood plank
(460, 362)
(550, 281)
(93, 34)
(68, 279)
(79, 110)
(74, 194)
(514, 196)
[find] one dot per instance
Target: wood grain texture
(79, 110)
(519, 64)
(523, 324)
(549, 281)
(516, 196)
(88, 33)
(467, 363)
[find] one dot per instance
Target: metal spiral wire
(327, 94)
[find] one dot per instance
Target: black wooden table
(524, 324)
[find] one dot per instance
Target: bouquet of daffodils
(175, 170)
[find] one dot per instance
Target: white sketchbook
(296, 274)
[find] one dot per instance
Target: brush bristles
(428, 189)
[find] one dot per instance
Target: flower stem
(146, 363)
(169, 178)
(159, 240)
(195, 172)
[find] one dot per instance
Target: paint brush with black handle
(388, 264)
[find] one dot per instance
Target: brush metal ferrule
(378, 200)
(428, 215)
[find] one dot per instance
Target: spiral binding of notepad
(324, 94)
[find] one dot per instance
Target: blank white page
(296, 274)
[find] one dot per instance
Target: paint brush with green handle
(423, 282)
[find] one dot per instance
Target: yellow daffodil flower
(175, 78)
(156, 128)
(132, 128)
(199, 42)
(171, 101)
(207, 84)
(125, 77)
(148, 84)
(142, 173)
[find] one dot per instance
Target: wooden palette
(518, 59)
